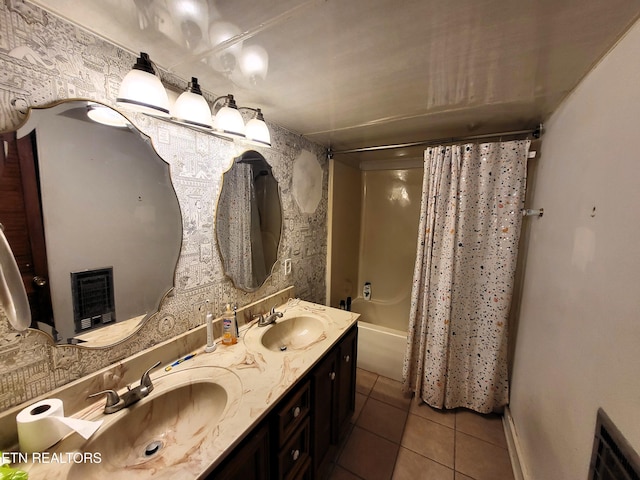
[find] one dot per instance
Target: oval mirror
(96, 227)
(249, 221)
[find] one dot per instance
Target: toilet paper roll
(43, 424)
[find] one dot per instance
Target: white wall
(578, 343)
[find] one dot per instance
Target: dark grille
(93, 299)
(612, 458)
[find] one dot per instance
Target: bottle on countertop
(229, 326)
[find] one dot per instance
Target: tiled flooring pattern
(394, 438)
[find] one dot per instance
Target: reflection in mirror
(96, 230)
(249, 221)
(13, 298)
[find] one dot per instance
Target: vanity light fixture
(191, 107)
(256, 129)
(105, 115)
(228, 122)
(142, 91)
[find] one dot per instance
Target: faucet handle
(145, 381)
(112, 397)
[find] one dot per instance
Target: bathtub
(380, 347)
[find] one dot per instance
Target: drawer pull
(295, 454)
(347, 358)
(296, 412)
(332, 375)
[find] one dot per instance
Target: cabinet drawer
(293, 412)
(304, 472)
(294, 455)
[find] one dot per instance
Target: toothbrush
(179, 361)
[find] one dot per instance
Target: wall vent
(93, 300)
(612, 458)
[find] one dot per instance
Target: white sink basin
(294, 333)
(163, 434)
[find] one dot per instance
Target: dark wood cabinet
(291, 412)
(323, 404)
(299, 438)
(295, 453)
(333, 400)
(346, 378)
(249, 461)
(291, 432)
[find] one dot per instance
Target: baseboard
(513, 444)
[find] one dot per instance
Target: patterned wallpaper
(44, 59)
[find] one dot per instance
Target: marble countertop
(254, 377)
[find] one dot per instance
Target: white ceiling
(356, 73)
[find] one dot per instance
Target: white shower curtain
(235, 212)
(463, 279)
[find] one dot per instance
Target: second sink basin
(293, 333)
(159, 436)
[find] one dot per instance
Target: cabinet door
(249, 461)
(346, 378)
(323, 387)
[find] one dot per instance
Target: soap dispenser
(229, 326)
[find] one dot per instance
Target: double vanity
(271, 406)
(274, 405)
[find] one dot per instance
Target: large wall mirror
(249, 221)
(93, 220)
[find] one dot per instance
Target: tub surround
(265, 377)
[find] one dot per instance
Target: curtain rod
(535, 133)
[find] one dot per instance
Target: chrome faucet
(116, 402)
(269, 319)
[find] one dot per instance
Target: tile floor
(392, 437)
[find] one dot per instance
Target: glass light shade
(257, 131)
(228, 121)
(142, 91)
(225, 59)
(192, 108)
(105, 115)
(192, 18)
(254, 62)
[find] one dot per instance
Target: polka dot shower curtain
(463, 279)
(235, 216)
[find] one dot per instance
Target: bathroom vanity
(299, 437)
(275, 405)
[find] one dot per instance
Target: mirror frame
(149, 141)
(281, 232)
